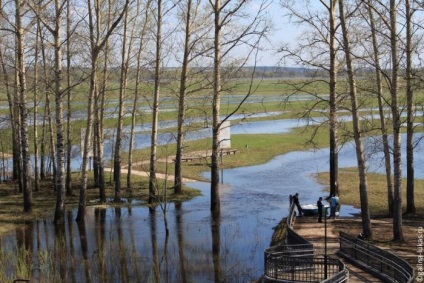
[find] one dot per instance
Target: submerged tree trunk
(11, 100)
(216, 104)
(26, 162)
(363, 187)
(96, 46)
(98, 124)
(181, 101)
(60, 137)
(35, 126)
(118, 141)
(135, 109)
(68, 180)
(153, 146)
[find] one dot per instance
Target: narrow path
(311, 230)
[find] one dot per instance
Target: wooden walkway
(311, 230)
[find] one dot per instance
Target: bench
(194, 158)
(228, 151)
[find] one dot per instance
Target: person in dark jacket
(320, 207)
(296, 202)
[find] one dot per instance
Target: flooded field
(130, 243)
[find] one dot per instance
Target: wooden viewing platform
(314, 232)
(336, 242)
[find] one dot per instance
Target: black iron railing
(387, 266)
(295, 261)
(283, 267)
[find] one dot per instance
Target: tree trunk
(386, 147)
(136, 92)
(93, 82)
(334, 151)
(118, 142)
(99, 123)
(96, 46)
(35, 126)
(397, 154)
(410, 201)
(26, 162)
(216, 104)
(11, 99)
(152, 177)
(181, 101)
(59, 217)
(68, 180)
(363, 187)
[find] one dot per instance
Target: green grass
(11, 202)
(377, 191)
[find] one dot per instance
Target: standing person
(296, 202)
(320, 206)
(333, 205)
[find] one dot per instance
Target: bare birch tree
(122, 89)
(194, 25)
(155, 106)
(68, 181)
(96, 45)
(410, 173)
(394, 104)
(318, 49)
(139, 59)
(181, 100)
(60, 133)
(380, 97)
(59, 175)
(226, 38)
(35, 111)
(363, 186)
(23, 107)
(334, 151)
(99, 111)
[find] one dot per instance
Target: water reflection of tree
(100, 219)
(153, 233)
(60, 251)
(181, 242)
(25, 247)
(216, 244)
(71, 245)
(84, 250)
(121, 245)
(137, 275)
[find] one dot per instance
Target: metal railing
(289, 268)
(295, 261)
(383, 264)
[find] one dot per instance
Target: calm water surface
(129, 244)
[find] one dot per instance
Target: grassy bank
(11, 203)
(377, 191)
